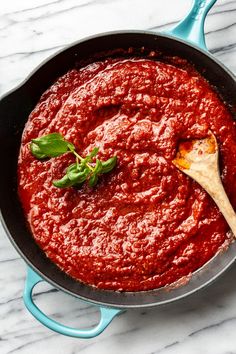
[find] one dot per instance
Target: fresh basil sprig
(50, 145)
(54, 144)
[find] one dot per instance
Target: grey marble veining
(30, 31)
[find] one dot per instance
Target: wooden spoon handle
(216, 190)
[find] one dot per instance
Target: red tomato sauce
(146, 224)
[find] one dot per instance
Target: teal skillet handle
(107, 314)
(191, 28)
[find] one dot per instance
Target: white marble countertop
(31, 30)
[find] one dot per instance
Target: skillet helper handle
(107, 314)
(191, 28)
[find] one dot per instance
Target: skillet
(185, 40)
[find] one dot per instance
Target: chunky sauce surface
(146, 224)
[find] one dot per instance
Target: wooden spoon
(199, 160)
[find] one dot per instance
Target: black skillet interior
(14, 111)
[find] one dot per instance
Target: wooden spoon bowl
(198, 159)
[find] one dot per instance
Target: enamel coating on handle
(107, 314)
(191, 28)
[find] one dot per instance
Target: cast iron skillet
(14, 110)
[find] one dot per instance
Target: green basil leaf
(82, 176)
(53, 148)
(93, 180)
(72, 167)
(98, 167)
(77, 174)
(108, 165)
(35, 150)
(63, 182)
(51, 145)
